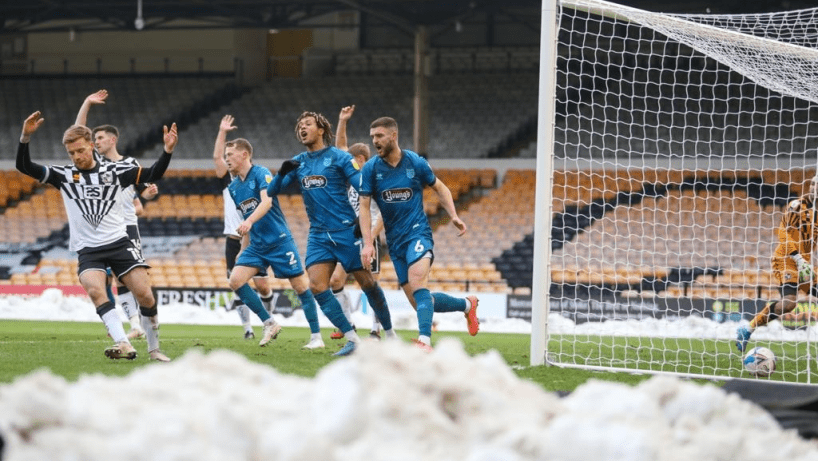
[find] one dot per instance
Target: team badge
(355, 165)
(107, 177)
(268, 178)
(410, 173)
(378, 177)
(76, 177)
(327, 161)
(251, 184)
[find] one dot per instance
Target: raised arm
(91, 100)
(341, 131)
(225, 127)
(24, 163)
(445, 197)
(155, 171)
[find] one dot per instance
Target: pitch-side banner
(283, 300)
(605, 308)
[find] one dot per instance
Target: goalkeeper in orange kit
(791, 263)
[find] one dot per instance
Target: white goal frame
(545, 161)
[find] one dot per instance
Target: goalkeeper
(791, 263)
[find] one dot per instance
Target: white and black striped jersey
(92, 200)
(355, 201)
(127, 194)
(232, 215)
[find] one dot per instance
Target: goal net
(678, 142)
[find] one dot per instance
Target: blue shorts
(283, 258)
(406, 254)
(337, 247)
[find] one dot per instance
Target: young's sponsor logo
(397, 195)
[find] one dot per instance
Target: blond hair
(75, 132)
(240, 144)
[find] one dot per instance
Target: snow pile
(389, 401)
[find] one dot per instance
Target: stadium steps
(187, 116)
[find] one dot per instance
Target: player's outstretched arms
(170, 137)
(92, 99)
(225, 126)
(341, 130)
(24, 163)
(157, 170)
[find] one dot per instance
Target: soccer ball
(759, 361)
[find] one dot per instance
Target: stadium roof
(50, 15)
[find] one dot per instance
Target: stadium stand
(137, 105)
(660, 206)
(462, 125)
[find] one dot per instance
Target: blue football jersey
(324, 176)
(398, 192)
(272, 228)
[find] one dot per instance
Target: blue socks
(423, 300)
(446, 303)
(251, 300)
(332, 309)
(310, 311)
(378, 302)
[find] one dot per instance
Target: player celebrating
(90, 191)
(266, 240)
(232, 241)
(360, 152)
(396, 178)
(105, 141)
(323, 173)
(791, 262)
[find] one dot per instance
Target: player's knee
(235, 283)
(145, 298)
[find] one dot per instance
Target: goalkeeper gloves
(288, 166)
(805, 272)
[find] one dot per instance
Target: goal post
(668, 149)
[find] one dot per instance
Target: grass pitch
(72, 349)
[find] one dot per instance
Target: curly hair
(321, 122)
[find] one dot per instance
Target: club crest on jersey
(397, 195)
(313, 182)
(410, 173)
(268, 178)
(327, 161)
(76, 177)
(247, 206)
(251, 184)
(107, 177)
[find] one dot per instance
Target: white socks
(131, 307)
(114, 326)
(244, 315)
(151, 327)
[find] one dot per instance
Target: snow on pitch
(388, 402)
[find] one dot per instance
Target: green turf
(71, 349)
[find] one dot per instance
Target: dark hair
(386, 122)
(240, 144)
(361, 149)
(321, 122)
(108, 129)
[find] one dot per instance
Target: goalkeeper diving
(791, 262)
